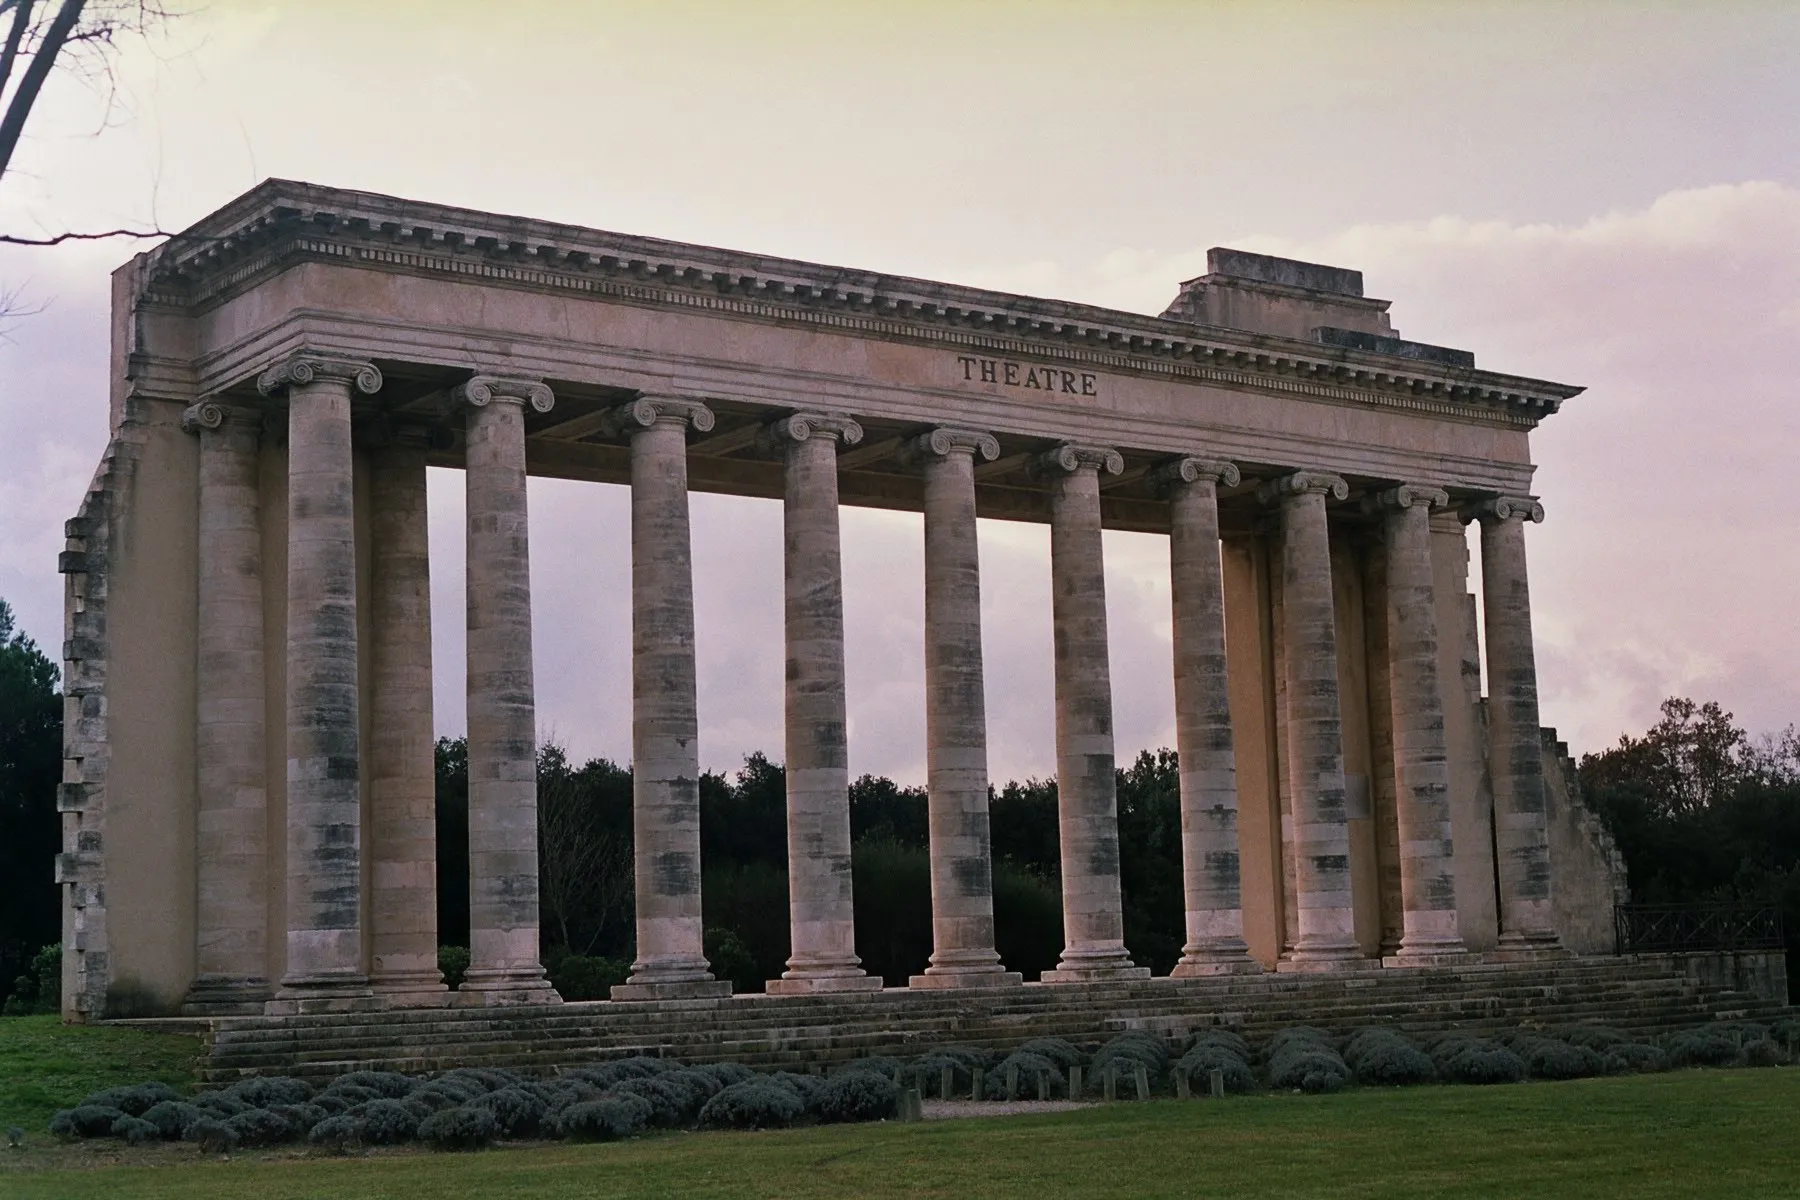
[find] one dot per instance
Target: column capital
(649, 410)
(1407, 495)
(1192, 470)
(1303, 483)
(946, 441)
(799, 427)
(1071, 457)
(1502, 508)
(213, 414)
(304, 367)
(479, 391)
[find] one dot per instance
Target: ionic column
(1087, 791)
(1515, 751)
(324, 801)
(821, 911)
(403, 931)
(1209, 802)
(962, 869)
(504, 966)
(1421, 755)
(1326, 915)
(231, 846)
(665, 725)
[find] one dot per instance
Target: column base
(992, 977)
(812, 985)
(1202, 967)
(1098, 964)
(412, 989)
(1530, 946)
(1431, 958)
(694, 989)
(227, 996)
(504, 987)
(1324, 960)
(333, 994)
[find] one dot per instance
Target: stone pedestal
(1430, 931)
(1087, 797)
(1515, 749)
(1209, 803)
(324, 801)
(231, 843)
(821, 908)
(1326, 916)
(962, 871)
(403, 931)
(665, 749)
(504, 966)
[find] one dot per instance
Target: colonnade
(361, 920)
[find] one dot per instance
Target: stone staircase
(1649, 993)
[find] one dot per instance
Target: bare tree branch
(32, 82)
(59, 239)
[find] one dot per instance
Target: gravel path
(949, 1110)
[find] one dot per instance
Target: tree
(30, 830)
(584, 856)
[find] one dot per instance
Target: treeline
(30, 829)
(586, 849)
(1704, 812)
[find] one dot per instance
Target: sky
(1601, 194)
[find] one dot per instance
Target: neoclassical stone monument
(248, 795)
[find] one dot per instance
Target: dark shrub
(301, 1116)
(476, 1080)
(213, 1137)
(1743, 1031)
(437, 1099)
(1030, 1066)
(881, 1064)
(135, 1100)
(459, 1129)
(856, 1096)
(1630, 1058)
(724, 1074)
(1763, 1053)
(926, 1073)
(350, 1093)
(517, 1112)
(220, 1105)
(1786, 1031)
(565, 1092)
(579, 977)
(754, 1104)
(1235, 1042)
(338, 1133)
(1311, 1068)
(1473, 1060)
(453, 961)
(1383, 1057)
(669, 1102)
(1062, 1052)
(1297, 1035)
(264, 1092)
(260, 1127)
(604, 1120)
(333, 1104)
(86, 1121)
(1701, 1048)
(136, 1131)
(172, 1117)
(969, 1056)
(604, 1075)
(1140, 1044)
(1198, 1063)
(390, 1085)
(804, 1086)
(1547, 1058)
(1593, 1037)
(386, 1122)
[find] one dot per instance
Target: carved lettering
(1025, 375)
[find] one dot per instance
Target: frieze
(1027, 376)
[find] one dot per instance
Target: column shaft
(822, 912)
(665, 723)
(1087, 790)
(504, 966)
(1515, 747)
(962, 870)
(1209, 799)
(231, 850)
(1421, 756)
(1326, 915)
(403, 931)
(324, 801)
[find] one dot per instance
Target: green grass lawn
(45, 1065)
(1690, 1133)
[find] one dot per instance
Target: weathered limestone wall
(1588, 872)
(1349, 606)
(1249, 655)
(1471, 799)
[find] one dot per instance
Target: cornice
(280, 223)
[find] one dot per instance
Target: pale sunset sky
(1602, 194)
